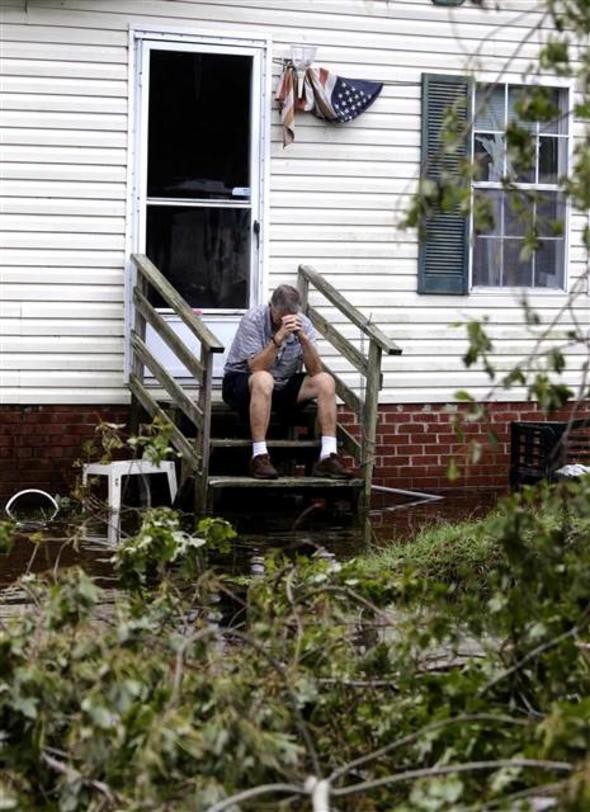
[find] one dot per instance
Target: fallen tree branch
(263, 789)
(280, 669)
(541, 649)
(447, 769)
(412, 737)
(72, 774)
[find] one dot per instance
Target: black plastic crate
(538, 449)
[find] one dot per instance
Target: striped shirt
(254, 333)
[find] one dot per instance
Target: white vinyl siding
(336, 194)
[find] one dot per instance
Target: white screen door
(200, 181)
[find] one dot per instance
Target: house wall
(337, 194)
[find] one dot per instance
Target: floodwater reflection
(321, 528)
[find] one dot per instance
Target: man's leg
(261, 387)
(322, 388)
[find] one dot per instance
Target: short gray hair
(286, 299)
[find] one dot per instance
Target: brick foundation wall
(415, 443)
(39, 445)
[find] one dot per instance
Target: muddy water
(305, 528)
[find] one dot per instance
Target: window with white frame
(524, 201)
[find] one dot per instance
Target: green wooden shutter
(443, 248)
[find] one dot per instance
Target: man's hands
(291, 323)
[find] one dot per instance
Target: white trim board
(179, 39)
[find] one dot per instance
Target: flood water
(328, 527)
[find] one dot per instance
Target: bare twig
(350, 593)
(72, 774)
(449, 769)
(541, 649)
(280, 669)
(263, 789)
(412, 737)
(544, 790)
(357, 683)
(296, 613)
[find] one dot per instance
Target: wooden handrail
(367, 407)
(355, 316)
(178, 347)
(174, 300)
(337, 340)
(152, 408)
(199, 413)
(182, 400)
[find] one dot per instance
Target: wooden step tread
(283, 482)
(227, 442)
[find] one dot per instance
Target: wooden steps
(294, 450)
(213, 443)
(232, 442)
(283, 482)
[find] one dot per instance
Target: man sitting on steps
(262, 373)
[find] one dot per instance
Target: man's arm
(264, 359)
(311, 358)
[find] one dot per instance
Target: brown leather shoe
(332, 467)
(262, 468)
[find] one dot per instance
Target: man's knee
(261, 383)
(325, 383)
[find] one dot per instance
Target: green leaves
(71, 599)
(480, 345)
(154, 440)
(462, 649)
(536, 102)
(555, 56)
(159, 544)
(7, 529)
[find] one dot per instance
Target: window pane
(557, 99)
(516, 272)
(487, 211)
(518, 214)
(204, 253)
(521, 161)
(515, 94)
(489, 156)
(549, 264)
(550, 214)
(199, 125)
(552, 157)
(489, 107)
(487, 261)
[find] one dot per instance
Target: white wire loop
(16, 496)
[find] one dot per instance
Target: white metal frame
(142, 38)
(568, 87)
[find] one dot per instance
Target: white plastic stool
(120, 468)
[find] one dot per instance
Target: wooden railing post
(370, 419)
(204, 435)
(137, 365)
(303, 287)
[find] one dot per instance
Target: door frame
(182, 39)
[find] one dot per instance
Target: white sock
(259, 448)
(328, 447)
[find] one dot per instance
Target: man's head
(284, 301)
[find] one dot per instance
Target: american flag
(324, 94)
